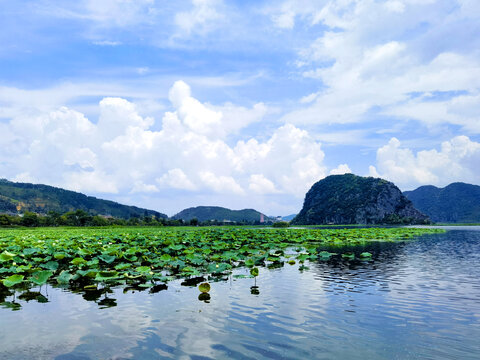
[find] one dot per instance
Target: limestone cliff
(351, 199)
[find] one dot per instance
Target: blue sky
(243, 104)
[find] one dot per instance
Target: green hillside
(208, 213)
(21, 197)
(351, 199)
(455, 203)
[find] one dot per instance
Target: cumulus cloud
(260, 184)
(340, 170)
(123, 152)
(140, 187)
(220, 184)
(195, 115)
(176, 178)
(457, 160)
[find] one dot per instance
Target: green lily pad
(41, 277)
(51, 265)
(325, 255)
(122, 266)
(250, 262)
(106, 275)
(59, 256)
(64, 277)
(204, 287)
(254, 271)
(6, 256)
(107, 258)
(78, 261)
(12, 280)
(365, 255)
(143, 269)
(89, 273)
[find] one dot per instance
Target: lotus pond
(149, 293)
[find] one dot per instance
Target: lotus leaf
(6, 256)
(59, 256)
(365, 255)
(51, 265)
(107, 258)
(204, 287)
(41, 277)
(106, 275)
(78, 261)
(64, 277)
(12, 280)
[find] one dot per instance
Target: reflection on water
(418, 299)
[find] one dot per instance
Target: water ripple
(413, 300)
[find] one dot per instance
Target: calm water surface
(414, 300)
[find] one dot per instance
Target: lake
(414, 300)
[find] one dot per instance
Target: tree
(99, 221)
(4, 220)
(30, 219)
(52, 218)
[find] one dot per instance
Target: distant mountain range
(352, 199)
(209, 213)
(288, 217)
(455, 203)
(20, 197)
(336, 199)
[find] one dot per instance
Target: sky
(242, 104)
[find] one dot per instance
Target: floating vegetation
(204, 287)
(139, 258)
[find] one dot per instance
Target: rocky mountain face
(455, 203)
(351, 199)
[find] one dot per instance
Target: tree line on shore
(83, 218)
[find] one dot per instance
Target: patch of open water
(413, 300)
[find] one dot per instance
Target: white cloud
(90, 182)
(195, 115)
(284, 15)
(261, 185)
(105, 13)
(124, 153)
(140, 187)
(107, 43)
(457, 160)
(291, 159)
(374, 55)
(340, 170)
(201, 18)
(221, 184)
(176, 178)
